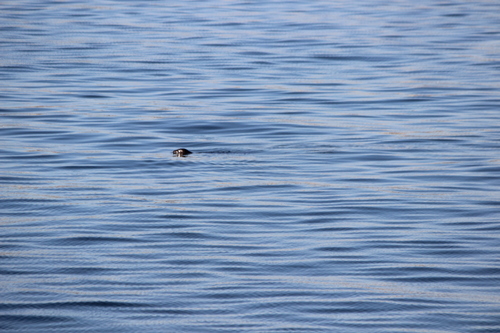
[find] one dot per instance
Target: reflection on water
(344, 174)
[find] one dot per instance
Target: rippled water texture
(345, 175)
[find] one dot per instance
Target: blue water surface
(345, 174)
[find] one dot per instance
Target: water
(345, 175)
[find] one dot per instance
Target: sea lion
(181, 152)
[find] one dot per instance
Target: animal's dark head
(181, 152)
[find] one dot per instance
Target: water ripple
(344, 175)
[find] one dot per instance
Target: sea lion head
(181, 152)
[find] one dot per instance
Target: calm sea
(345, 175)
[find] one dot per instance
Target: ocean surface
(345, 174)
